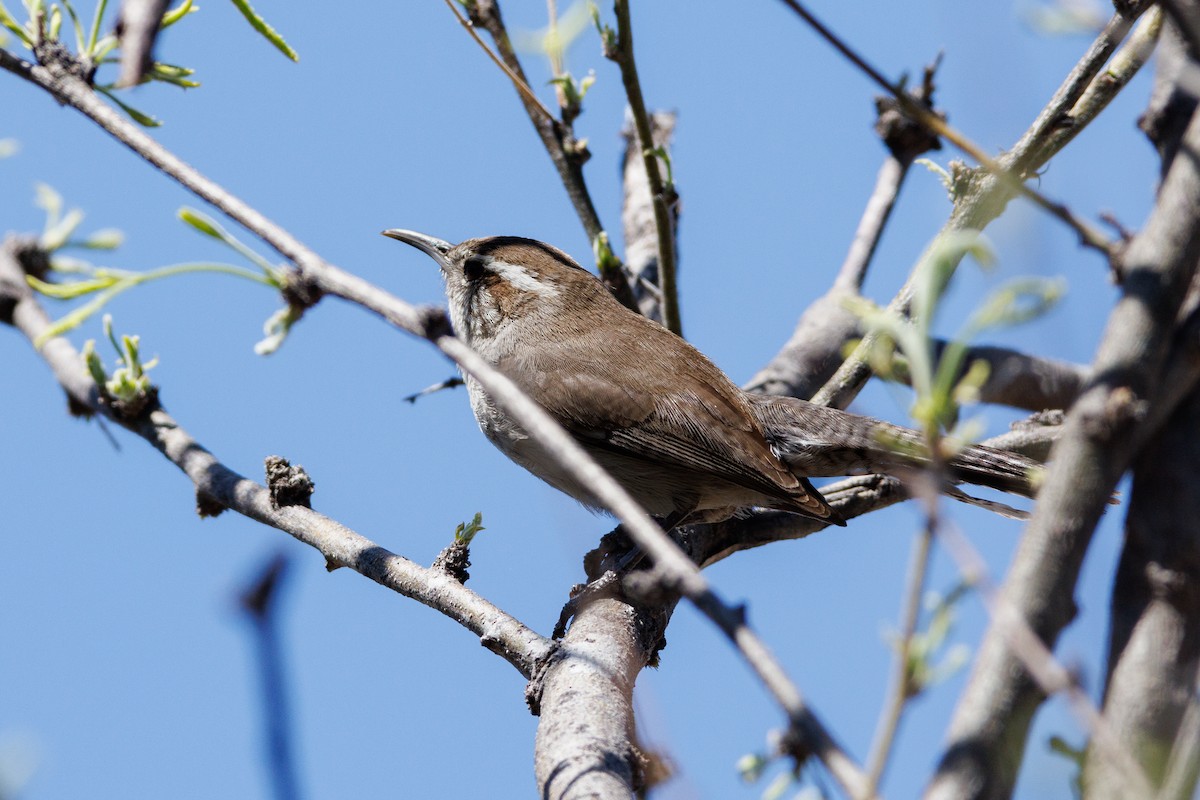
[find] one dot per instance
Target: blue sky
(128, 670)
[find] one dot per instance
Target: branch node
(432, 323)
(454, 561)
(300, 291)
(207, 505)
(905, 137)
(32, 260)
(290, 486)
(537, 679)
(54, 56)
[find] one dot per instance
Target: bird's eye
(473, 269)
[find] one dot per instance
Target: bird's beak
(434, 248)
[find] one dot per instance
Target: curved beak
(430, 246)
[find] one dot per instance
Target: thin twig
(1089, 235)
(901, 683)
(661, 195)
(871, 225)
(518, 81)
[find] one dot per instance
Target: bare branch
(900, 689)
(518, 80)
(260, 602)
(1017, 379)
(591, 678)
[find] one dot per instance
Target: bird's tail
(819, 442)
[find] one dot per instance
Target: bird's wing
(686, 414)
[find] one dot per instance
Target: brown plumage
(686, 442)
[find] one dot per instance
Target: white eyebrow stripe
(520, 278)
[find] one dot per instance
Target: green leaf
(145, 120)
(103, 239)
(751, 766)
(259, 24)
(203, 223)
(55, 25)
(79, 42)
(606, 260)
(101, 6)
(210, 227)
(942, 175)
(179, 12)
(105, 46)
(938, 266)
(276, 330)
(71, 289)
(1018, 301)
(91, 360)
(79, 315)
(56, 236)
(10, 22)
(467, 531)
(50, 201)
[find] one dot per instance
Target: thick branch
(138, 27)
(1154, 639)
(1019, 380)
(591, 679)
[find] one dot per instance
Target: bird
(687, 443)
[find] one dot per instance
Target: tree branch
(341, 546)
(662, 196)
(1154, 638)
(637, 215)
(813, 352)
(138, 27)
(1088, 235)
(981, 197)
(1017, 379)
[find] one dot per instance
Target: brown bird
(662, 419)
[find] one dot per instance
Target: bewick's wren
(683, 440)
